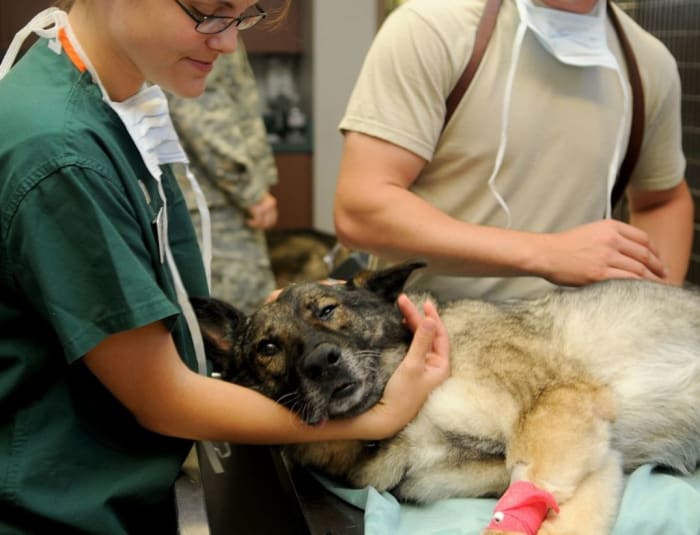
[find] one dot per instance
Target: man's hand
(601, 250)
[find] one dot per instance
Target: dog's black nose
(321, 362)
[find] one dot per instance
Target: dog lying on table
(549, 401)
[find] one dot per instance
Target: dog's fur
(565, 391)
(302, 255)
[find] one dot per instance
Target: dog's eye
(326, 312)
(268, 348)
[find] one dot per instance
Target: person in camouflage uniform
(225, 139)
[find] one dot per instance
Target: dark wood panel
(294, 190)
(14, 15)
(284, 37)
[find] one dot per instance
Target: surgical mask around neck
(146, 117)
(576, 40)
(573, 38)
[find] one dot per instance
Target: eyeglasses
(211, 24)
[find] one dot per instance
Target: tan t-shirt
(561, 128)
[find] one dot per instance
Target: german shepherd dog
(565, 391)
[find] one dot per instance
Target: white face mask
(146, 117)
(573, 39)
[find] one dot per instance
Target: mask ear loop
(37, 25)
(211, 452)
(616, 160)
(515, 56)
(617, 156)
(205, 218)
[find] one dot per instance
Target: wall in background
(341, 34)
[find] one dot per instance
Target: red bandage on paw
(522, 509)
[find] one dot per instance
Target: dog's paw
(500, 532)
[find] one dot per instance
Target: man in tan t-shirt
(510, 198)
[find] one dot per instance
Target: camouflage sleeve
(224, 135)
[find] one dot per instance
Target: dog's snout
(321, 361)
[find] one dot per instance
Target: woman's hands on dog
(425, 366)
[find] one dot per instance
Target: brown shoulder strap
(634, 144)
(483, 35)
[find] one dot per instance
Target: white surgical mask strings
(578, 40)
(507, 95)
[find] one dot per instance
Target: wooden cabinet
(287, 36)
(286, 40)
(14, 15)
(294, 191)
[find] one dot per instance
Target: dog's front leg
(560, 454)
(593, 507)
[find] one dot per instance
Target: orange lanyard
(70, 51)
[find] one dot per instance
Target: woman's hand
(425, 366)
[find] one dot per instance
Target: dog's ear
(220, 324)
(388, 283)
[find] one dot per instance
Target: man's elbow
(346, 230)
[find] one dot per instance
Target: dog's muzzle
(322, 363)
(323, 368)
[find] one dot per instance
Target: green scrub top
(79, 261)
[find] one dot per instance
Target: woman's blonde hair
(276, 15)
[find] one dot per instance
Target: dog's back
(642, 339)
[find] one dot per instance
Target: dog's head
(324, 351)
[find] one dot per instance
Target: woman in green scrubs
(100, 398)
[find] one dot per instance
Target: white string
(515, 56)
(205, 218)
(39, 25)
(617, 156)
